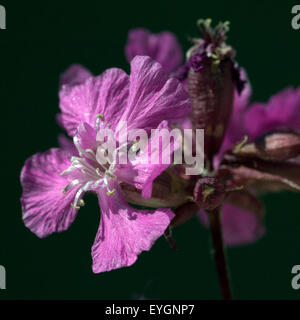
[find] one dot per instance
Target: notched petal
(125, 232)
(46, 208)
(162, 47)
(74, 75)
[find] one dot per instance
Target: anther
(110, 174)
(100, 116)
(240, 145)
(111, 192)
(207, 191)
(75, 207)
(90, 151)
(81, 203)
(237, 188)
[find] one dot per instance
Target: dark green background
(42, 39)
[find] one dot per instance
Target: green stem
(219, 252)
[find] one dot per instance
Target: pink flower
(254, 120)
(54, 182)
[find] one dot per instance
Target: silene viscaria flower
(54, 182)
(248, 149)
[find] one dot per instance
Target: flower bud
(211, 79)
(275, 146)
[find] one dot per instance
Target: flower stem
(219, 252)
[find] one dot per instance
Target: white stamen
(110, 174)
(111, 192)
(96, 174)
(70, 185)
(99, 121)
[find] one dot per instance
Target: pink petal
(240, 226)
(74, 75)
(141, 176)
(45, 208)
(67, 144)
(85, 138)
(105, 94)
(153, 97)
(125, 232)
(241, 101)
(162, 47)
(163, 195)
(281, 111)
(141, 172)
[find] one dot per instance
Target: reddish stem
(219, 252)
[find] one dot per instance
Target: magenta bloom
(242, 212)
(54, 182)
(281, 112)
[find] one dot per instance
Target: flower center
(93, 168)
